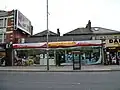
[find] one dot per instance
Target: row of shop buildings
(14, 28)
(96, 45)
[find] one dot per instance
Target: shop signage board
(62, 44)
(29, 45)
(112, 43)
(74, 43)
(58, 44)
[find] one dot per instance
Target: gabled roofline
(45, 31)
(106, 29)
(92, 34)
(74, 30)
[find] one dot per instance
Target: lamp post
(47, 40)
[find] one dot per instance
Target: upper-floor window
(1, 23)
(5, 22)
(2, 37)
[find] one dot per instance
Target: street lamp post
(47, 40)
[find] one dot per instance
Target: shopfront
(88, 55)
(113, 55)
(113, 51)
(60, 53)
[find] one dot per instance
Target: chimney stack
(58, 32)
(89, 25)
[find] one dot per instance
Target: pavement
(38, 68)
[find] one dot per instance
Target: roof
(44, 33)
(79, 31)
(74, 38)
(57, 38)
(94, 30)
(99, 30)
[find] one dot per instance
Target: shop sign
(112, 43)
(58, 44)
(115, 41)
(29, 45)
(75, 43)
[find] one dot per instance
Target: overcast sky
(68, 15)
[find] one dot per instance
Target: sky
(67, 15)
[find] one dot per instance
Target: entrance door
(76, 60)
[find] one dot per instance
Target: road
(59, 80)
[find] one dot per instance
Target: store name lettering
(115, 41)
(61, 43)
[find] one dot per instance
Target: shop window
(51, 55)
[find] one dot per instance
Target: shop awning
(62, 44)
